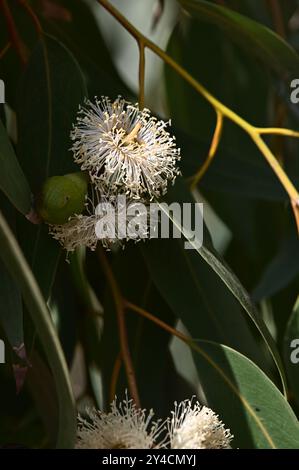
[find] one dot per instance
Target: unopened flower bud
(61, 197)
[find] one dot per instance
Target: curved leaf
(199, 298)
(226, 276)
(12, 179)
(247, 401)
(50, 92)
(258, 39)
(11, 307)
(99, 70)
(16, 264)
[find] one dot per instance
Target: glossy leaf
(245, 398)
(259, 40)
(11, 306)
(14, 260)
(11, 309)
(202, 270)
(98, 67)
(52, 105)
(50, 92)
(12, 179)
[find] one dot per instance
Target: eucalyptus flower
(78, 231)
(193, 426)
(124, 427)
(112, 221)
(124, 149)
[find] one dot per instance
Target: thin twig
(278, 131)
(212, 151)
(123, 337)
(277, 17)
(114, 377)
(33, 16)
(154, 319)
(195, 347)
(252, 131)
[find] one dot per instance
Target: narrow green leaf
(99, 69)
(12, 179)
(11, 309)
(254, 37)
(14, 260)
(50, 92)
(247, 401)
(197, 296)
(228, 278)
(238, 291)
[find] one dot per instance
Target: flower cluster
(197, 427)
(124, 427)
(191, 426)
(124, 150)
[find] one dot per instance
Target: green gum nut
(61, 197)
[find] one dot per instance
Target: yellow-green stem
(212, 152)
(252, 131)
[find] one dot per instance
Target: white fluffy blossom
(193, 426)
(124, 427)
(78, 231)
(110, 221)
(124, 149)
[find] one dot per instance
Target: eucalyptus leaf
(11, 309)
(247, 401)
(99, 69)
(12, 179)
(196, 282)
(13, 258)
(254, 37)
(50, 91)
(11, 306)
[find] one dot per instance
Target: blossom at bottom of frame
(124, 427)
(193, 426)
